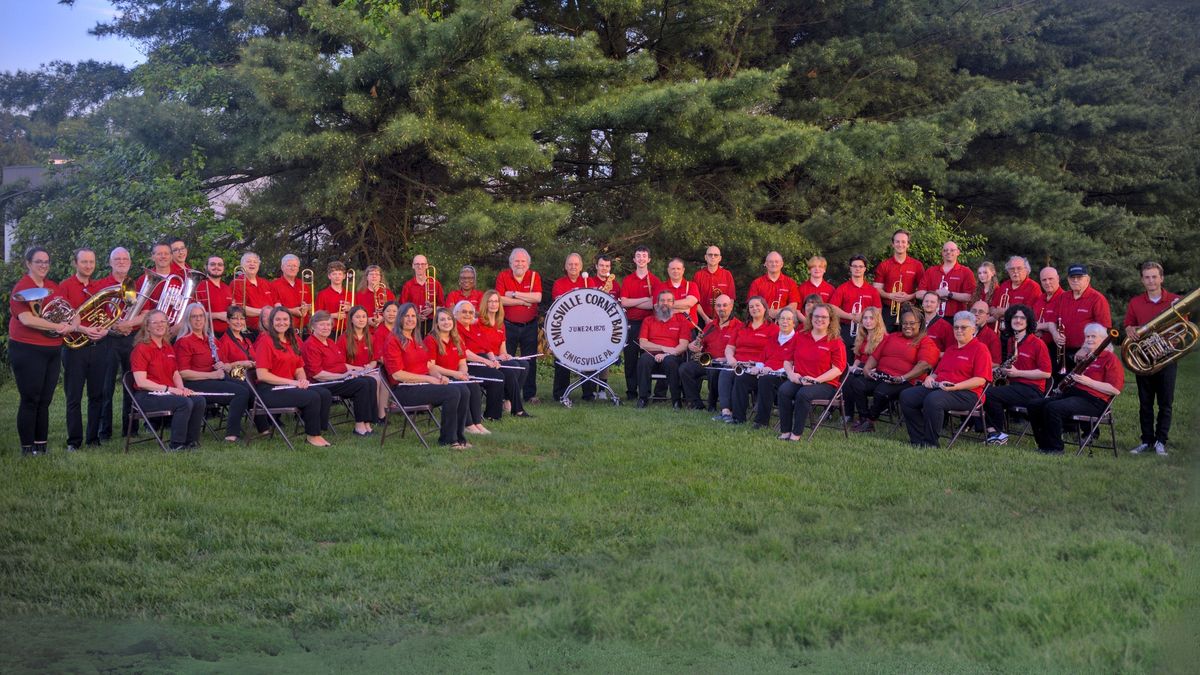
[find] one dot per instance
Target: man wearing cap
(1079, 307)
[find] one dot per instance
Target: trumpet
(856, 308)
(897, 287)
(1003, 307)
(943, 286)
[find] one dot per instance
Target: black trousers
(451, 398)
(647, 366)
(739, 388)
(848, 341)
(630, 357)
(314, 404)
(768, 391)
(925, 410)
(795, 403)
(522, 340)
(236, 404)
(1001, 399)
(1047, 415)
(35, 370)
(119, 349)
(82, 367)
(1158, 387)
(187, 414)
(691, 375)
(361, 392)
(881, 393)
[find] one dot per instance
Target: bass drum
(586, 329)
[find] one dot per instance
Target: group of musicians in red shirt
(925, 340)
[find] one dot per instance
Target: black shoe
(26, 450)
(41, 449)
(72, 448)
(677, 405)
(759, 426)
(92, 444)
(177, 448)
(523, 414)
(642, 403)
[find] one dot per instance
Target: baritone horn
(1164, 339)
(103, 310)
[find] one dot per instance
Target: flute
(194, 393)
(282, 387)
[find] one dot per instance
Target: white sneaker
(1143, 447)
(1160, 449)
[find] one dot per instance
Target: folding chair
(260, 408)
(130, 388)
(1103, 419)
(975, 413)
(408, 412)
(838, 401)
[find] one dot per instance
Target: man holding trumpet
(896, 278)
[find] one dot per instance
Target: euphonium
(175, 298)
(1165, 338)
(102, 310)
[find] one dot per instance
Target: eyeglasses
(823, 317)
(177, 249)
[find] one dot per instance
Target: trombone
(308, 279)
(239, 272)
(943, 286)
(347, 301)
(431, 290)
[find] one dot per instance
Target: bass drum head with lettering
(586, 329)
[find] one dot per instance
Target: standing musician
(234, 349)
(406, 362)
(423, 292)
(986, 288)
(814, 371)
(637, 297)
(712, 281)
(746, 348)
(605, 280)
(852, 298)
(1089, 393)
(685, 293)
(325, 360)
(816, 279)
(120, 339)
(215, 295)
(1078, 308)
(777, 288)
(938, 330)
(1160, 385)
(336, 298)
(254, 294)
(483, 338)
(179, 255)
(896, 278)
(951, 282)
(88, 364)
(1017, 289)
(466, 289)
(202, 370)
(573, 266)
(663, 339)
(160, 257)
(292, 293)
(957, 383)
(450, 360)
(35, 357)
(871, 334)
(373, 294)
(278, 363)
(984, 332)
(713, 340)
(769, 374)
(1026, 375)
(1046, 309)
(160, 387)
(896, 364)
(520, 290)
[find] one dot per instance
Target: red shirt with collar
(716, 339)
(749, 342)
(456, 296)
(666, 333)
(1106, 368)
(366, 299)
(897, 355)
(1076, 314)
(941, 332)
(1026, 293)
(1032, 354)
(257, 295)
(1046, 310)
(959, 279)
(711, 285)
(18, 331)
(807, 288)
(378, 340)
(330, 299)
(159, 363)
(848, 294)
(231, 349)
(363, 353)
(474, 338)
(615, 291)
(411, 358)
(774, 353)
(450, 360)
(282, 362)
(415, 293)
(635, 288)
(1142, 309)
(564, 285)
(908, 273)
(962, 363)
(990, 339)
(330, 356)
(814, 357)
(778, 293)
(192, 353)
(685, 289)
(215, 299)
(291, 296)
(531, 283)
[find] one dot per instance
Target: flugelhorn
(1165, 338)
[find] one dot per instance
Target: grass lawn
(602, 539)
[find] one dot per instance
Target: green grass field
(602, 539)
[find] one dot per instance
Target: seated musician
(663, 340)
(984, 332)
(814, 370)
(486, 352)
(466, 289)
(194, 353)
(159, 386)
(957, 383)
(896, 364)
(935, 328)
(768, 373)
(871, 332)
(279, 363)
(235, 349)
(387, 325)
(746, 349)
(362, 350)
(325, 360)
(491, 320)
(717, 334)
(1026, 374)
(1084, 393)
(406, 362)
(450, 359)
(374, 294)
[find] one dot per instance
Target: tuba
(1164, 339)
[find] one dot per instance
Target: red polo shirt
(897, 355)
(531, 283)
(615, 291)
(908, 273)
(330, 299)
(18, 331)
(158, 363)
(716, 339)
(685, 289)
(1106, 368)
(412, 358)
(1032, 354)
(564, 285)
(1076, 314)
(813, 357)
(711, 285)
(666, 333)
(848, 294)
(778, 293)
(415, 293)
(292, 295)
(215, 299)
(450, 360)
(774, 353)
(283, 362)
(257, 295)
(963, 363)
(959, 279)
(1142, 309)
(1025, 294)
(1046, 310)
(456, 296)
(941, 332)
(474, 337)
(192, 353)
(232, 350)
(634, 287)
(807, 288)
(749, 342)
(330, 356)
(366, 298)
(363, 353)
(988, 336)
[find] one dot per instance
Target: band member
(466, 289)
(84, 365)
(387, 324)
(1160, 385)
(816, 279)
(713, 340)
(279, 363)
(574, 279)
(1046, 309)
(985, 289)
(234, 349)
(120, 345)
(951, 282)
(520, 290)
(424, 292)
(712, 281)
(605, 280)
(483, 339)
(746, 348)
(1026, 375)
(897, 363)
(373, 293)
(35, 357)
(1077, 308)
(362, 344)
(253, 293)
(777, 288)
(637, 297)
(984, 332)
(201, 369)
(325, 360)
(160, 257)
(450, 360)
(160, 387)
(215, 295)
(663, 339)
(957, 383)
(336, 299)
(179, 257)
(769, 373)
(870, 334)
(938, 330)
(687, 297)
(406, 362)
(291, 293)
(1089, 393)
(814, 371)
(1017, 289)
(851, 298)
(898, 271)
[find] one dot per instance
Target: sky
(36, 32)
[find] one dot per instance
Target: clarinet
(1082, 364)
(998, 375)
